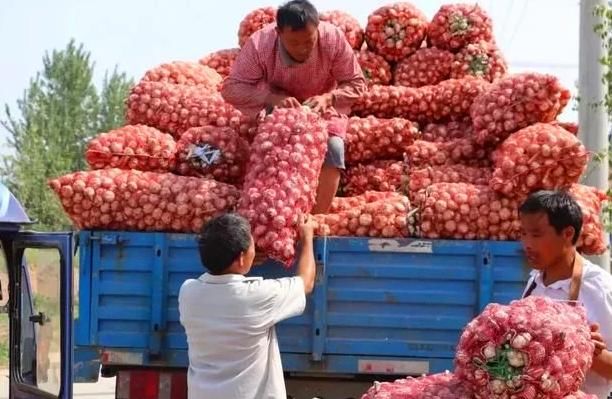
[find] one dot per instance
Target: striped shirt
(263, 66)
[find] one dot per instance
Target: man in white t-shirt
(229, 318)
(551, 222)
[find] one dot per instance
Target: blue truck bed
(380, 306)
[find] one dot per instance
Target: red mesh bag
(213, 152)
(378, 215)
(456, 25)
(221, 61)
(591, 201)
(428, 388)
(482, 60)
(132, 147)
(569, 126)
(376, 69)
(419, 179)
(184, 73)
(340, 204)
(254, 21)
(450, 99)
(443, 132)
(372, 138)
(396, 30)
(281, 182)
(466, 211)
(436, 386)
(534, 347)
(376, 176)
(427, 66)
(580, 395)
(515, 102)
(348, 24)
(458, 151)
(541, 156)
(176, 108)
(119, 199)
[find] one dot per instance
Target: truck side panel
(379, 306)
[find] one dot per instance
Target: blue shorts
(335, 152)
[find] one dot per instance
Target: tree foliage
(59, 112)
(604, 28)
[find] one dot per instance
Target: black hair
(562, 210)
(296, 14)
(222, 241)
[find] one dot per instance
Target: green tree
(60, 111)
(604, 28)
(112, 103)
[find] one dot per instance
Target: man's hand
(306, 225)
(597, 339)
(320, 103)
(282, 101)
(289, 102)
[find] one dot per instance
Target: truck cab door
(40, 315)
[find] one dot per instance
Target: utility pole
(593, 120)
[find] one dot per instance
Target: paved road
(103, 389)
(301, 389)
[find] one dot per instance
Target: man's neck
(562, 269)
(234, 269)
(286, 57)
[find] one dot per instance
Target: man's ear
(568, 233)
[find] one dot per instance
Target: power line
(507, 16)
(518, 24)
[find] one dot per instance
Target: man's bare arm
(245, 88)
(306, 267)
(348, 92)
(347, 72)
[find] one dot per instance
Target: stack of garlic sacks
(532, 348)
(443, 135)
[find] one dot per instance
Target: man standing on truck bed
(296, 61)
(229, 318)
(551, 222)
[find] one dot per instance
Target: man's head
(296, 23)
(226, 245)
(550, 226)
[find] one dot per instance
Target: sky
(136, 35)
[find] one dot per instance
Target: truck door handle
(39, 318)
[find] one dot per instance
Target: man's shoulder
(190, 293)
(597, 279)
(265, 38)
(268, 289)
(268, 282)
(329, 33)
(596, 273)
(190, 285)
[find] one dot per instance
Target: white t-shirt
(596, 296)
(229, 321)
